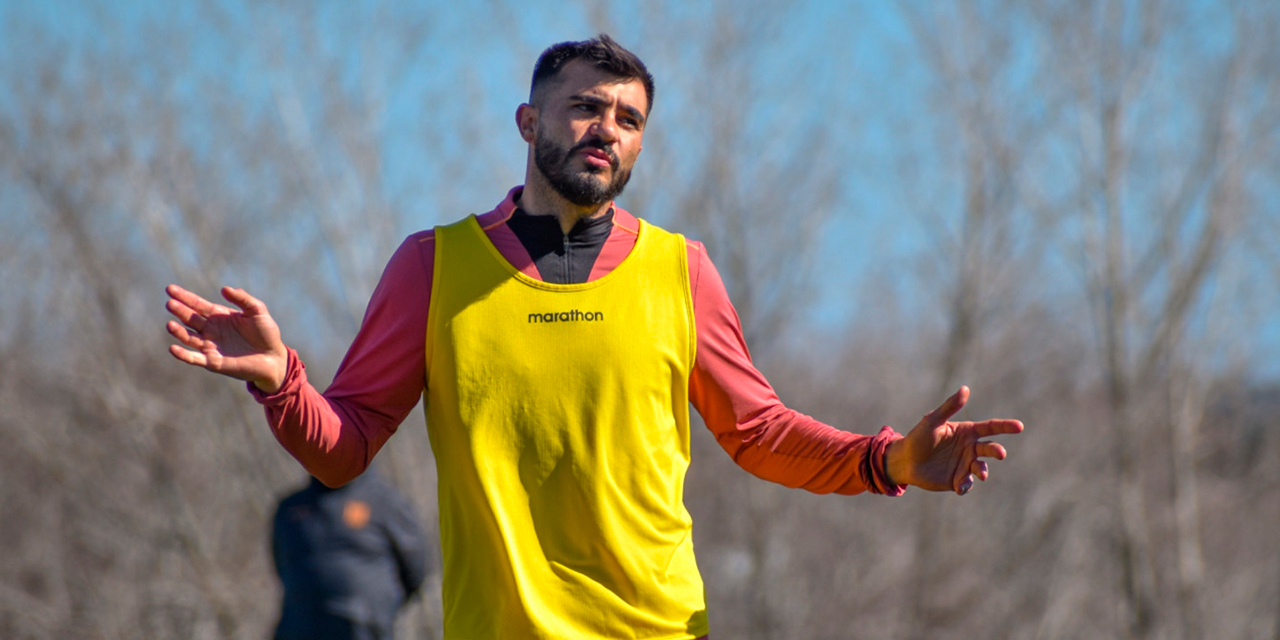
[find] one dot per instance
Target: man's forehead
(580, 78)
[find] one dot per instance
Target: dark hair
(601, 52)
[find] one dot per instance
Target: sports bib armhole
(432, 307)
(687, 284)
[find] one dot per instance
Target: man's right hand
(243, 344)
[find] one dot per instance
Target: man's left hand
(939, 455)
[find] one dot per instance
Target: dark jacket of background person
(348, 559)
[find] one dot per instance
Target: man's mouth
(597, 157)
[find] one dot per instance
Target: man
(348, 559)
(560, 341)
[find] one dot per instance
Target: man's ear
(527, 121)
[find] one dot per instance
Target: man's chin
(593, 171)
(597, 179)
(593, 197)
(588, 187)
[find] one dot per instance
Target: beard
(582, 188)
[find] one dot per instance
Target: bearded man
(558, 342)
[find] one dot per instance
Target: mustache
(596, 143)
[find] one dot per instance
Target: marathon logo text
(572, 315)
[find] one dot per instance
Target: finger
(978, 469)
(185, 336)
(990, 450)
(962, 473)
(191, 300)
(966, 483)
(997, 427)
(190, 357)
(250, 305)
(186, 314)
(950, 407)
(181, 333)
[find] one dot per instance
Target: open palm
(241, 343)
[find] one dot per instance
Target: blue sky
(471, 67)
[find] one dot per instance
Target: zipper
(566, 263)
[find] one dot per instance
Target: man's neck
(539, 199)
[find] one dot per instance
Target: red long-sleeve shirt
(336, 434)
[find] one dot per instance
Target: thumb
(950, 407)
(250, 305)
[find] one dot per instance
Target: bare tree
(146, 492)
(1155, 228)
(1126, 145)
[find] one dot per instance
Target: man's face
(588, 133)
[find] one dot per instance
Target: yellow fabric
(559, 419)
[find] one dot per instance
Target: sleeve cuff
(295, 377)
(874, 470)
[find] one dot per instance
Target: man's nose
(606, 128)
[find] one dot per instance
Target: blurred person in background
(348, 559)
(558, 341)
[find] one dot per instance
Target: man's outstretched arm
(761, 434)
(779, 444)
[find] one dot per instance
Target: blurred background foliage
(1070, 206)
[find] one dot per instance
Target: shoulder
(412, 259)
(416, 240)
(419, 248)
(630, 224)
(489, 222)
(697, 252)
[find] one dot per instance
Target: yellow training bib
(559, 419)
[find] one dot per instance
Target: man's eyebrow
(585, 97)
(633, 112)
(590, 99)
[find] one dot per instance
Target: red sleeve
(336, 434)
(749, 421)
